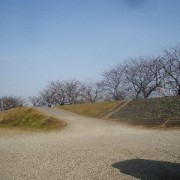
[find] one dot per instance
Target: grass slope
(150, 111)
(28, 118)
(92, 109)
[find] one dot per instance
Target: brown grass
(28, 118)
(92, 109)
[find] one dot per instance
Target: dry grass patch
(92, 109)
(29, 118)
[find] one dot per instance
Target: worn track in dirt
(90, 149)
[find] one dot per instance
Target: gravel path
(90, 149)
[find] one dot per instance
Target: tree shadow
(149, 169)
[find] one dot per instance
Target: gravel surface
(90, 149)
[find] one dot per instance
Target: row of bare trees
(67, 92)
(145, 77)
(134, 78)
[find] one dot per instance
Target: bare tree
(72, 88)
(145, 75)
(37, 101)
(58, 90)
(172, 68)
(47, 97)
(58, 93)
(114, 83)
(91, 92)
(8, 102)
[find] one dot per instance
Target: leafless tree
(8, 102)
(37, 101)
(114, 84)
(172, 68)
(44, 98)
(90, 92)
(72, 88)
(58, 91)
(145, 75)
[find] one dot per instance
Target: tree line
(134, 78)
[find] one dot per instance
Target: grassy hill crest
(28, 118)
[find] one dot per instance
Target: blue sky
(42, 40)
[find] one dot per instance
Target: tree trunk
(178, 94)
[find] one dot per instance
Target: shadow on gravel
(149, 170)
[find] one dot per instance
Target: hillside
(28, 118)
(99, 109)
(161, 112)
(151, 112)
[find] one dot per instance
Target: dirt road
(90, 149)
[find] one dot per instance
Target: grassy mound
(92, 109)
(28, 118)
(155, 111)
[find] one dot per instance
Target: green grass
(92, 109)
(156, 108)
(28, 118)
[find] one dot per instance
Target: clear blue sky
(42, 40)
